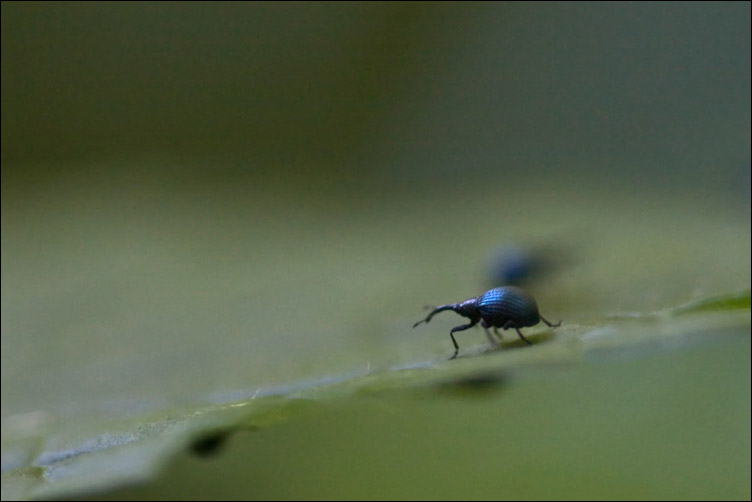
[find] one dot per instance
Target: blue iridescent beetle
(505, 307)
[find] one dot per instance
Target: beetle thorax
(469, 309)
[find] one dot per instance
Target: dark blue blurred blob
(512, 265)
(517, 265)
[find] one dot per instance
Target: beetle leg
(459, 328)
(549, 324)
(520, 333)
(510, 324)
(491, 339)
(496, 330)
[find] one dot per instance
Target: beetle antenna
(435, 311)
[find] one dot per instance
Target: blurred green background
(209, 202)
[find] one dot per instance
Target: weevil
(505, 307)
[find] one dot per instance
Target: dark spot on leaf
(472, 385)
(209, 445)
